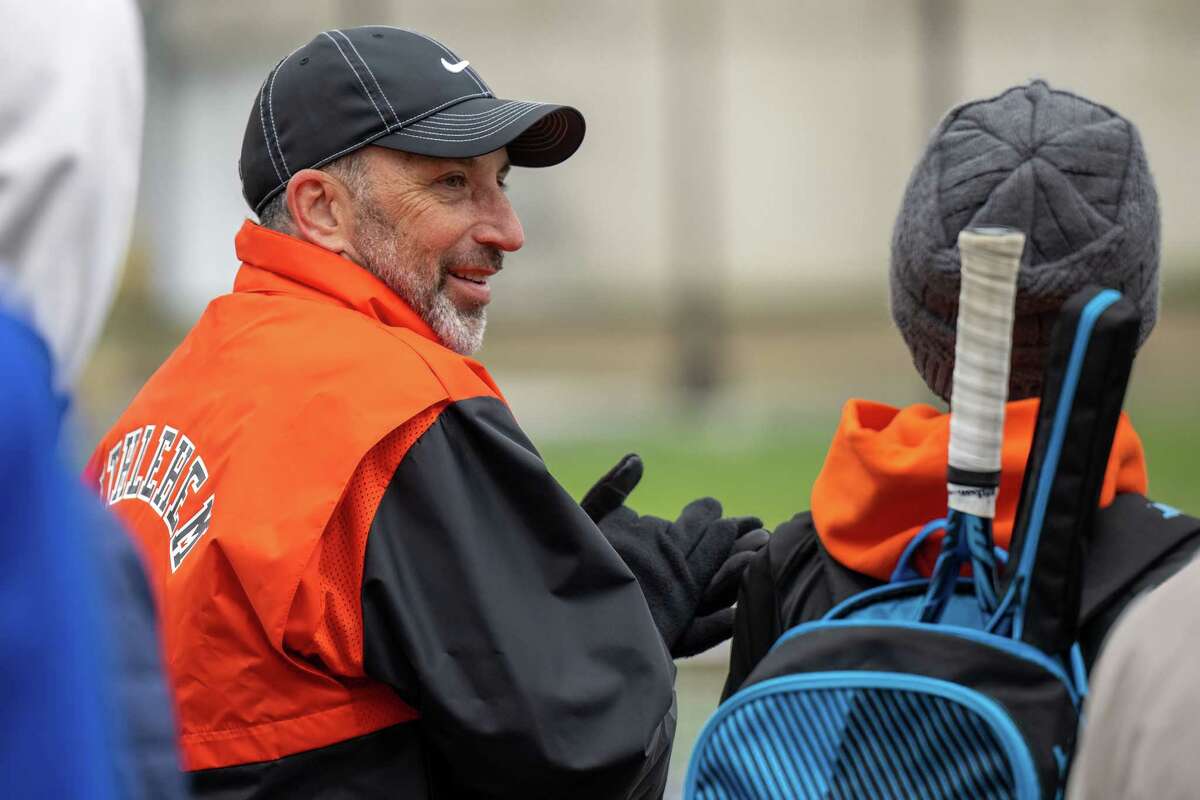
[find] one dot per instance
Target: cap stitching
(451, 128)
(541, 137)
(361, 82)
(541, 145)
(326, 160)
(489, 113)
(505, 104)
(465, 139)
(544, 130)
(440, 107)
(481, 134)
(462, 136)
(271, 107)
(470, 70)
(371, 72)
(462, 121)
(271, 112)
(266, 137)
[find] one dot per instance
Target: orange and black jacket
(884, 478)
(370, 585)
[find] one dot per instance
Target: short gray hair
(350, 169)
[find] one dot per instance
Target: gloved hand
(714, 614)
(610, 491)
(689, 570)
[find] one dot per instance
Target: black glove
(610, 491)
(714, 615)
(688, 570)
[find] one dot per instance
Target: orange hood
(885, 477)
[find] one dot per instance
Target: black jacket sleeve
(494, 606)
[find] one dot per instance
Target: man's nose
(501, 228)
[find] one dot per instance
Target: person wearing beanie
(1073, 175)
(1069, 173)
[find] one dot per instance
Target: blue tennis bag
(871, 702)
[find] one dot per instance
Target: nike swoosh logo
(459, 67)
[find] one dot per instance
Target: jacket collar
(275, 263)
(885, 477)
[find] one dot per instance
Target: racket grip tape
(991, 260)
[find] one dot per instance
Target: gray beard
(379, 247)
(461, 331)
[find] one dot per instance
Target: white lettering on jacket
(162, 472)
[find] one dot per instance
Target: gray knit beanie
(1069, 173)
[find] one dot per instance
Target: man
(85, 710)
(371, 586)
(1073, 176)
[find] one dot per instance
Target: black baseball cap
(390, 87)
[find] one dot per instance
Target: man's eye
(455, 181)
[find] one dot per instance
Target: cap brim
(536, 134)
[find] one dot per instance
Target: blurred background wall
(706, 280)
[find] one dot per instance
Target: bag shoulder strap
(1127, 539)
(808, 579)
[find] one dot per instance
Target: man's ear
(322, 211)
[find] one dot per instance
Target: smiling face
(435, 231)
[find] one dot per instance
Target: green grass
(1172, 443)
(762, 472)
(769, 471)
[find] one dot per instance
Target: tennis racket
(991, 259)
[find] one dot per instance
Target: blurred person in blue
(371, 584)
(84, 712)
